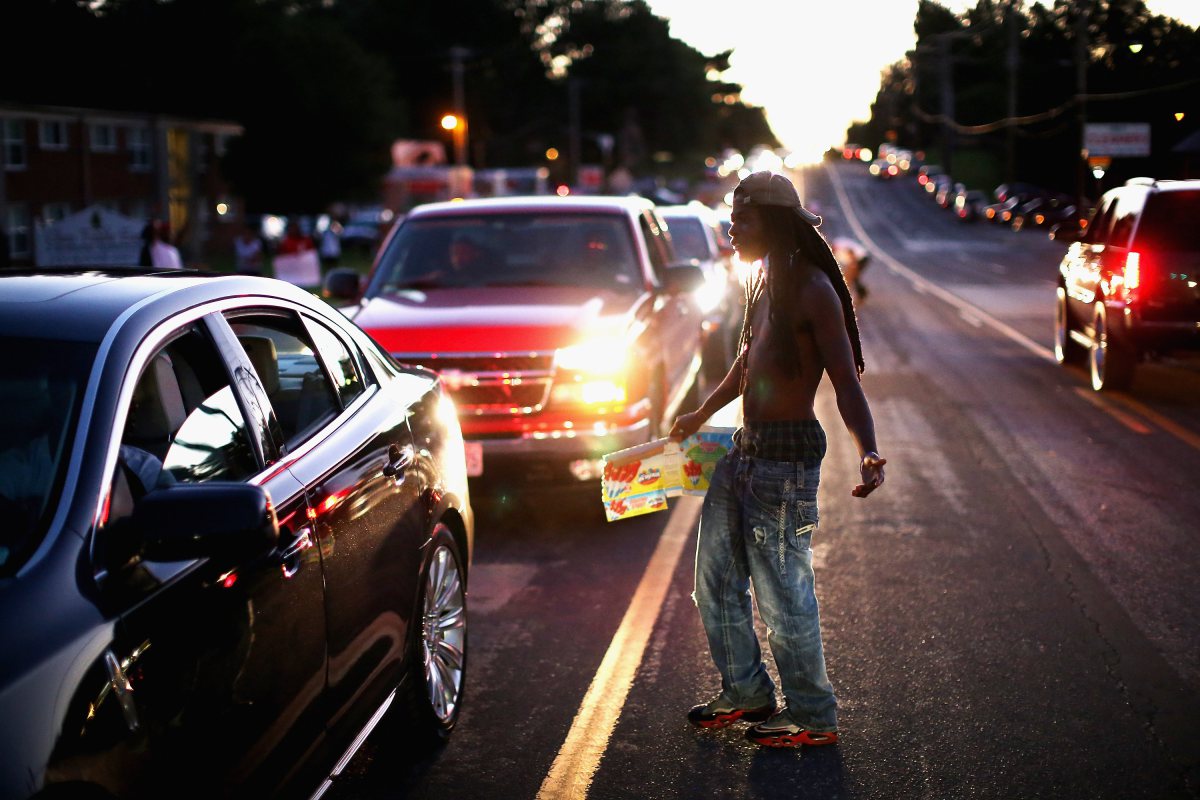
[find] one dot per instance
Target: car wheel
(1066, 349)
(438, 646)
(1111, 363)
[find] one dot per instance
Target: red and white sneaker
(780, 732)
(720, 713)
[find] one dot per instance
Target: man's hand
(872, 475)
(686, 425)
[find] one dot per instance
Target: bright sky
(815, 66)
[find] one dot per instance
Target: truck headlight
(593, 357)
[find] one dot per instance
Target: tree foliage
(322, 87)
(1152, 81)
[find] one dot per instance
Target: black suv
(1132, 285)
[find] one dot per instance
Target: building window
(103, 137)
(16, 225)
(139, 149)
(15, 156)
(52, 134)
(54, 212)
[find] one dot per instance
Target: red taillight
(922, 179)
(1133, 270)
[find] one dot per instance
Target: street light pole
(458, 56)
(1081, 65)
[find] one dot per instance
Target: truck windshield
(495, 250)
(41, 390)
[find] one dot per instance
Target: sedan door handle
(399, 459)
(290, 558)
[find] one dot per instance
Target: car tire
(1112, 363)
(437, 656)
(1066, 349)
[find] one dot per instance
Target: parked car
(1130, 286)
(236, 531)
(696, 234)
(926, 173)
(946, 193)
(969, 204)
(365, 228)
(938, 184)
(566, 328)
(1043, 211)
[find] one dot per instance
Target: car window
(654, 243)
(689, 237)
(286, 362)
(1101, 222)
(1124, 216)
(41, 391)
(184, 423)
(497, 250)
(1168, 222)
(339, 361)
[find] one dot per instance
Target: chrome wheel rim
(1060, 327)
(444, 633)
(1099, 348)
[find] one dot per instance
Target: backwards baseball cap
(771, 189)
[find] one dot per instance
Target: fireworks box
(638, 480)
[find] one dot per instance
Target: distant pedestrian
(760, 512)
(248, 251)
(163, 254)
(853, 258)
(294, 242)
(330, 247)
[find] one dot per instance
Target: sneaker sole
(793, 739)
(725, 720)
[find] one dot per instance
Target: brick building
(56, 161)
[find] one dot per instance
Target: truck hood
(495, 319)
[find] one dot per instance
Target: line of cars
(238, 522)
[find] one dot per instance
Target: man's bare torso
(770, 394)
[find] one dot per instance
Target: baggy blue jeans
(756, 527)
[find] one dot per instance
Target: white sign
(1117, 139)
(302, 269)
(95, 237)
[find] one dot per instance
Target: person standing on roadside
(162, 253)
(248, 251)
(760, 511)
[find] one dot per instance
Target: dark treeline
(1139, 67)
(322, 87)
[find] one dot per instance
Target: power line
(1031, 119)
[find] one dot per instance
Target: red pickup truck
(562, 327)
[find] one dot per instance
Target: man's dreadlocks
(790, 237)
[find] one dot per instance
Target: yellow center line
(571, 774)
(1120, 416)
(1171, 427)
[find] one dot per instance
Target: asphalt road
(1012, 616)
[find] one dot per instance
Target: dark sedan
(236, 532)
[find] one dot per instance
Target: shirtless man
(760, 510)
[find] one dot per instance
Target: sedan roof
(36, 304)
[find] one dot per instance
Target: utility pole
(574, 133)
(1081, 66)
(458, 56)
(1014, 52)
(946, 67)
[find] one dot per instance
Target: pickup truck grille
(492, 384)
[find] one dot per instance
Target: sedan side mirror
(685, 276)
(222, 521)
(342, 284)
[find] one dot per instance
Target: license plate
(474, 453)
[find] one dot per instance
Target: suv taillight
(1133, 270)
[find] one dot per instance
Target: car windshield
(494, 250)
(1167, 221)
(688, 235)
(41, 388)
